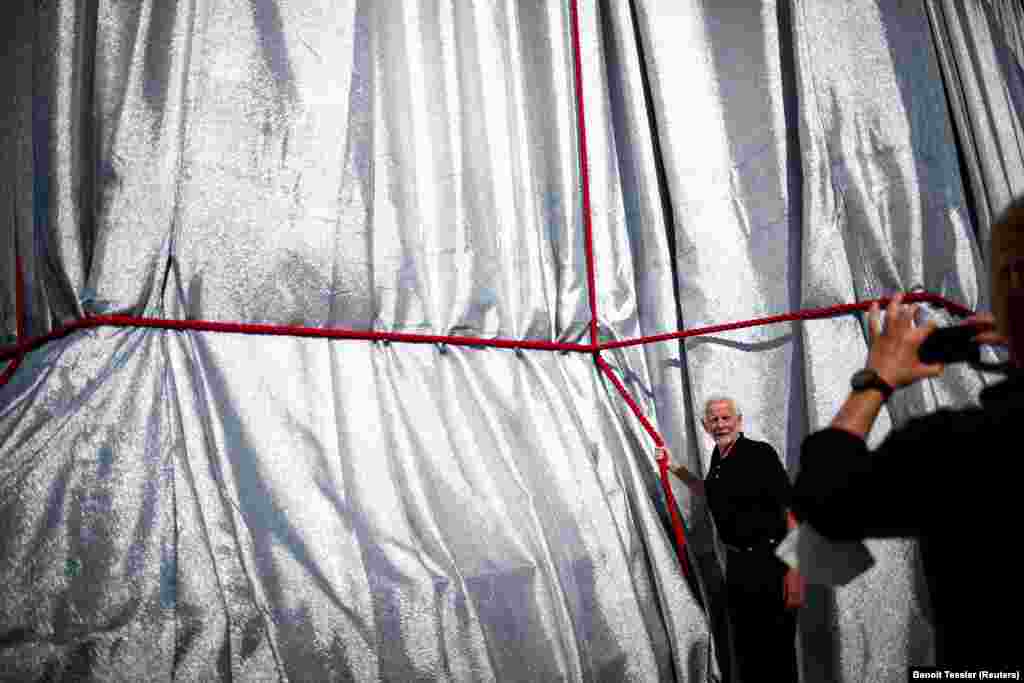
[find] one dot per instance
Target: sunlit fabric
(203, 506)
(884, 211)
(206, 506)
(981, 54)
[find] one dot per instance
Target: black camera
(955, 344)
(952, 344)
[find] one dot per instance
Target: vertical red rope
(581, 125)
(677, 521)
(678, 529)
(588, 246)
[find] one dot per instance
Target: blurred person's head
(722, 420)
(1008, 277)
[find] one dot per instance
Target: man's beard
(727, 440)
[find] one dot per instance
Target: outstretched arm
(847, 493)
(695, 483)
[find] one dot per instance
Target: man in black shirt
(748, 493)
(944, 478)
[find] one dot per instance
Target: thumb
(926, 329)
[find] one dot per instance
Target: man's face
(722, 423)
(1008, 280)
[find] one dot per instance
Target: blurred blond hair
(1008, 267)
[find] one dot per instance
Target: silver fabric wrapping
(884, 211)
(722, 131)
(880, 209)
(17, 39)
(397, 166)
(212, 506)
(401, 166)
(718, 92)
(981, 55)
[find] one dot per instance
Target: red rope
(283, 331)
(677, 522)
(581, 124)
(9, 372)
(23, 347)
(603, 364)
(805, 314)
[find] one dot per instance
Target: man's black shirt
(946, 479)
(748, 492)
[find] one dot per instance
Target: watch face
(864, 379)
(869, 379)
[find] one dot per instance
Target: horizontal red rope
(283, 331)
(370, 335)
(677, 523)
(805, 314)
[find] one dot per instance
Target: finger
(899, 319)
(904, 317)
(917, 335)
(874, 324)
(983, 321)
(892, 310)
(992, 338)
(892, 314)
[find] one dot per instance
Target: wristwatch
(868, 378)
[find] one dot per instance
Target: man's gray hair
(722, 399)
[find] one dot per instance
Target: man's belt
(765, 544)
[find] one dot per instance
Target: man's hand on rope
(689, 478)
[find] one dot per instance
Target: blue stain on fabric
(105, 462)
(91, 303)
(168, 578)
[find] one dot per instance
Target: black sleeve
(776, 481)
(901, 489)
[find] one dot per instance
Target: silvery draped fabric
(810, 162)
(883, 211)
(981, 52)
(205, 506)
(284, 510)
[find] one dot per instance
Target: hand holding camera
(903, 353)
